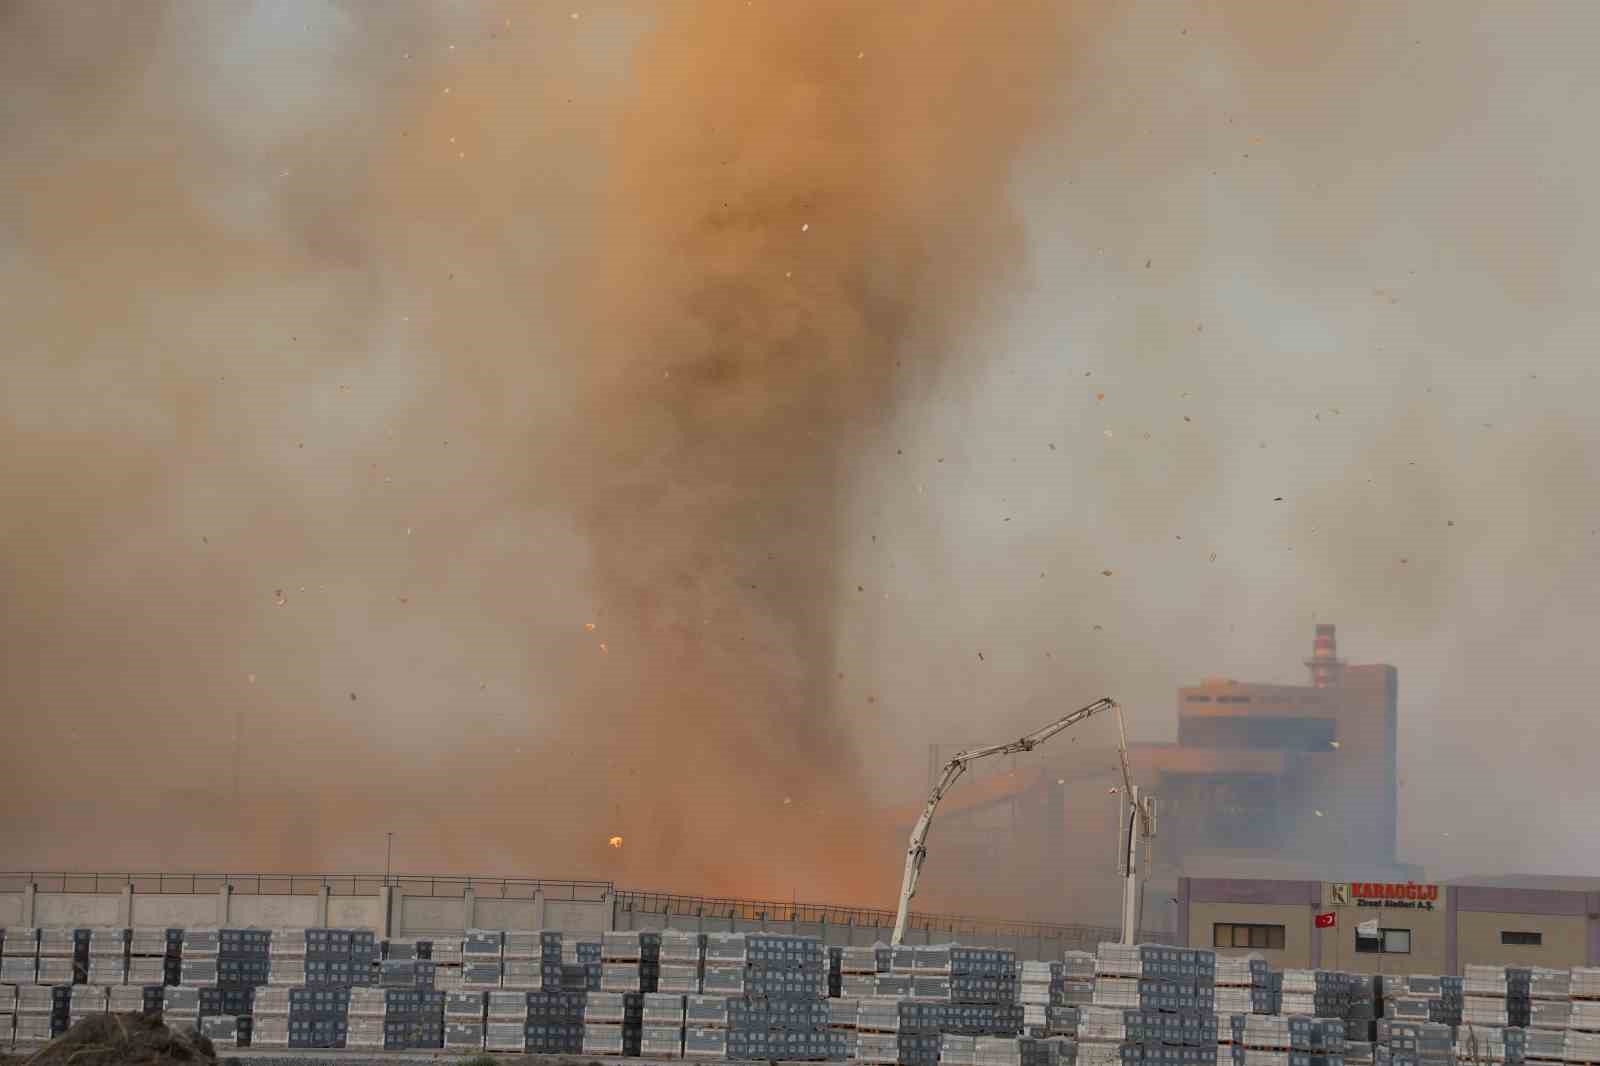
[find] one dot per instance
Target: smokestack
(1324, 662)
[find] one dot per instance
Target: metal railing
(455, 886)
(451, 886)
(667, 903)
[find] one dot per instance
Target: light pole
(388, 853)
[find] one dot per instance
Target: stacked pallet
(480, 960)
(682, 964)
(42, 1013)
(612, 1023)
(341, 958)
(522, 959)
(85, 1002)
(859, 968)
(149, 951)
(1244, 986)
(1491, 1044)
(226, 1031)
(395, 1019)
(1413, 1043)
(464, 1019)
(180, 1006)
(198, 958)
(661, 1025)
(19, 956)
(506, 1020)
(1316, 993)
(1035, 982)
(8, 1014)
(555, 1022)
(705, 1027)
(108, 957)
(1549, 999)
(1485, 998)
(57, 950)
(622, 961)
(286, 958)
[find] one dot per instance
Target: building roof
(1546, 882)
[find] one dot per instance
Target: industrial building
(1289, 773)
(1396, 927)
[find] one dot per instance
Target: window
(1197, 699)
(1387, 942)
(1508, 936)
(1235, 935)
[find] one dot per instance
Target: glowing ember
(615, 842)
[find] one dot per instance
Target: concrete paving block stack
(108, 957)
(1475, 1043)
(555, 1022)
(1486, 997)
(42, 1013)
(180, 1006)
(506, 1020)
(581, 968)
(661, 1026)
(341, 958)
(682, 962)
(1402, 1042)
(19, 956)
(705, 1033)
(480, 960)
(221, 1030)
(85, 1002)
(8, 1014)
(464, 1013)
(319, 1016)
(1033, 991)
(612, 1023)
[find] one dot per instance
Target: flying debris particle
(872, 699)
(1213, 556)
(1403, 560)
(251, 678)
(804, 226)
(589, 626)
(1107, 432)
(405, 599)
(1319, 814)
(1333, 743)
(1147, 264)
(279, 598)
(1052, 447)
(788, 801)
(617, 845)
(1277, 499)
(207, 540)
(980, 657)
(352, 697)
(1449, 523)
(1100, 396)
(1097, 628)
(615, 842)
(604, 650)
(860, 589)
(1186, 418)
(1105, 573)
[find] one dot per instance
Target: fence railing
(309, 884)
(455, 886)
(667, 903)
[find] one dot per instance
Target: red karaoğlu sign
(1390, 890)
(1394, 894)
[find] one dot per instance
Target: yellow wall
(1478, 939)
(1296, 922)
(1429, 930)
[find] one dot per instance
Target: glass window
(1515, 937)
(1387, 942)
(1236, 935)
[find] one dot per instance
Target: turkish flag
(1327, 921)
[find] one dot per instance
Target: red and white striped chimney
(1324, 662)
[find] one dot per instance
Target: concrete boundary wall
(391, 912)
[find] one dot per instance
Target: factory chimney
(1324, 662)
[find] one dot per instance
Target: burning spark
(604, 649)
(615, 842)
(1319, 814)
(1333, 743)
(589, 626)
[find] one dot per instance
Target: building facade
(1395, 927)
(1294, 773)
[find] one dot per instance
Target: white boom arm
(1140, 826)
(916, 852)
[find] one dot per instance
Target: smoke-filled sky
(514, 424)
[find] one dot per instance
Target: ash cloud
(464, 328)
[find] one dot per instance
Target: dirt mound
(124, 1040)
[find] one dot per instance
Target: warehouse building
(1396, 927)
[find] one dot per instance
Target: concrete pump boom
(916, 851)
